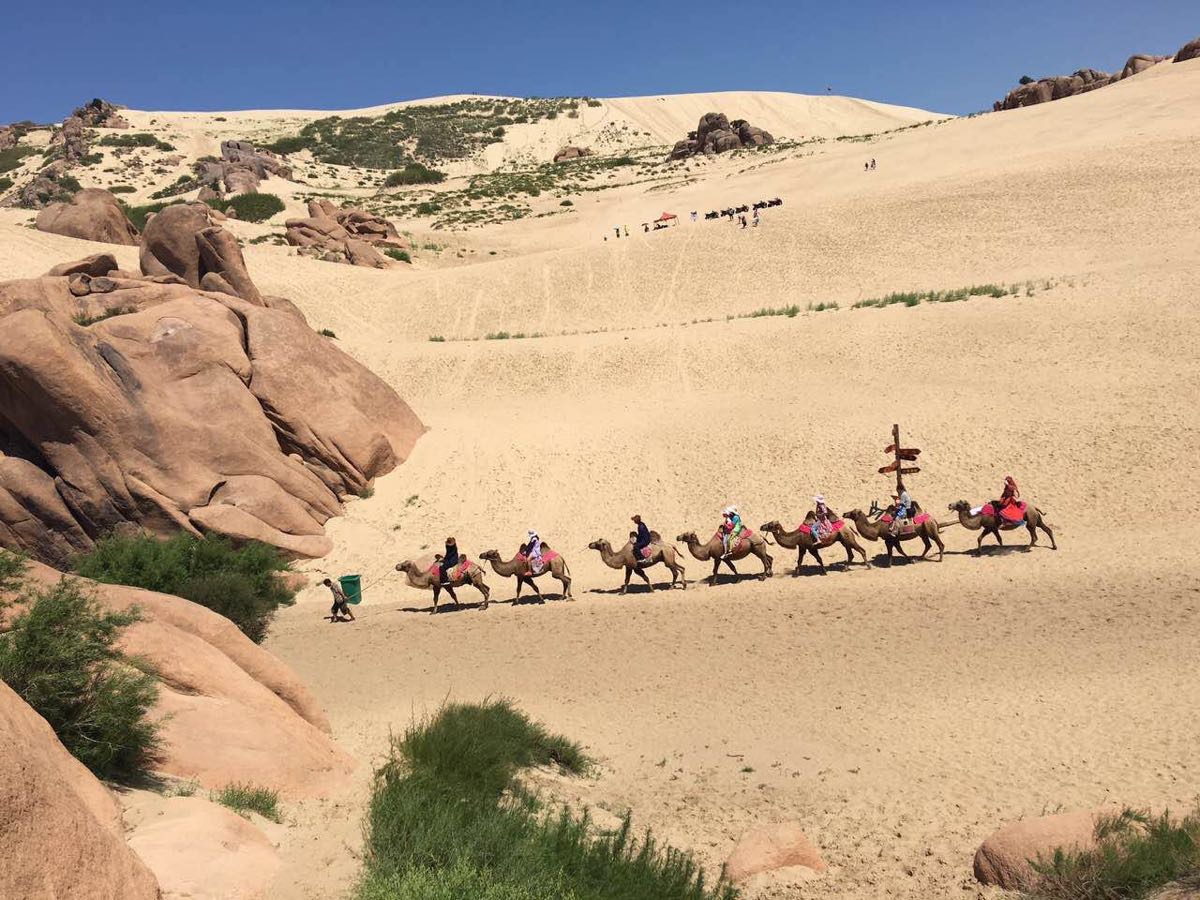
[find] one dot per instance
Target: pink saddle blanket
(829, 536)
(910, 526)
(742, 541)
(458, 573)
(1011, 515)
(548, 556)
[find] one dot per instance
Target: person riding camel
(904, 508)
(1010, 495)
(731, 528)
(824, 518)
(448, 560)
(533, 552)
(641, 540)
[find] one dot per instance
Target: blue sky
(947, 56)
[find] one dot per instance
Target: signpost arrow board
(910, 454)
(892, 467)
(900, 455)
(910, 471)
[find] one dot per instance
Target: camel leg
(849, 554)
(437, 590)
(766, 561)
(453, 596)
(799, 561)
(646, 578)
(1050, 534)
(941, 547)
(565, 581)
(679, 573)
(1032, 529)
(533, 584)
(928, 544)
(857, 546)
(712, 582)
(817, 557)
(520, 581)
(628, 572)
(483, 589)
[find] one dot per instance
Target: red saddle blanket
(548, 556)
(1011, 514)
(910, 526)
(742, 540)
(458, 573)
(837, 525)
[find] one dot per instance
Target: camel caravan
(901, 521)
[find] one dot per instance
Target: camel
(623, 558)
(714, 550)
(927, 531)
(519, 566)
(988, 525)
(804, 541)
(422, 579)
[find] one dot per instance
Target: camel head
(854, 515)
(601, 544)
(771, 526)
(404, 566)
(493, 555)
(688, 537)
(960, 506)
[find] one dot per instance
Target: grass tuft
(448, 819)
(398, 255)
(247, 798)
(84, 321)
(1135, 854)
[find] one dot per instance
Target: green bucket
(352, 585)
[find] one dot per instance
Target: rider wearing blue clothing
(641, 540)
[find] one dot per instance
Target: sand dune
(901, 715)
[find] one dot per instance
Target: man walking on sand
(341, 604)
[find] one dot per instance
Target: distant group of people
(733, 213)
(869, 166)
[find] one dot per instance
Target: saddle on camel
(1006, 514)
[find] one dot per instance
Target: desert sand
(900, 715)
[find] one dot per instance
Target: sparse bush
(91, 159)
(136, 139)
(181, 185)
(366, 492)
(398, 255)
(1135, 854)
(286, 145)
(249, 207)
(13, 156)
(437, 338)
(1025, 79)
(567, 202)
(5, 183)
(497, 336)
(60, 656)
(243, 583)
(84, 320)
(414, 173)
(448, 819)
(248, 798)
(325, 332)
(122, 189)
(139, 214)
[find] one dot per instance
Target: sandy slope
(901, 715)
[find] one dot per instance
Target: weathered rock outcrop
(8, 137)
(344, 234)
(243, 167)
(568, 153)
(229, 710)
(60, 827)
(716, 134)
(71, 137)
(1190, 50)
(97, 113)
(772, 847)
(91, 215)
(178, 408)
(1003, 859)
(201, 851)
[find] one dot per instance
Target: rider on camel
(904, 508)
(825, 518)
(448, 560)
(731, 528)
(641, 540)
(1010, 495)
(533, 552)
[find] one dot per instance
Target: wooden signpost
(900, 455)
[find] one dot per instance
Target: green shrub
(414, 173)
(5, 183)
(1135, 854)
(567, 202)
(12, 157)
(399, 255)
(249, 207)
(247, 798)
(243, 584)
(139, 214)
(181, 185)
(1025, 79)
(122, 189)
(325, 332)
(437, 339)
(136, 139)
(286, 145)
(91, 159)
(84, 320)
(60, 657)
(448, 819)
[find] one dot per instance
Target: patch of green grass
(135, 139)
(366, 492)
(437, 338)
(122, 189)
(13, 157)
(790, 311)
(325, 332)
(84, 320)
(60, 655)
(242, 583)
(249, 207)
(822, 306)
(181, 185)
(399, 255)
(139, 214)
(1135, 854)
(449, 819)
(5, 183)
(567, 202)
(91, 159)
(414, 173)
(914, 298)
(497, 336)
(248, 798)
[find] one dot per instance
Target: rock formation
(772, 847)
(243, 167)
(201, 851)
(1190, 50)
(1003, 859)
(91, 215)
(8, 137)
(99, 113)
(716, 134)
(180, 399)
(1056, 87)
(229, 710)
(71, 137)
(344, 234)
(568, 153)
(61, 828)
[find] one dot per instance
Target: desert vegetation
(60, 655)
(1135, 854)
(136, 139)
(249, 207)
(414, 173)
(241, 583)
(248, 798)
(449, 817)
